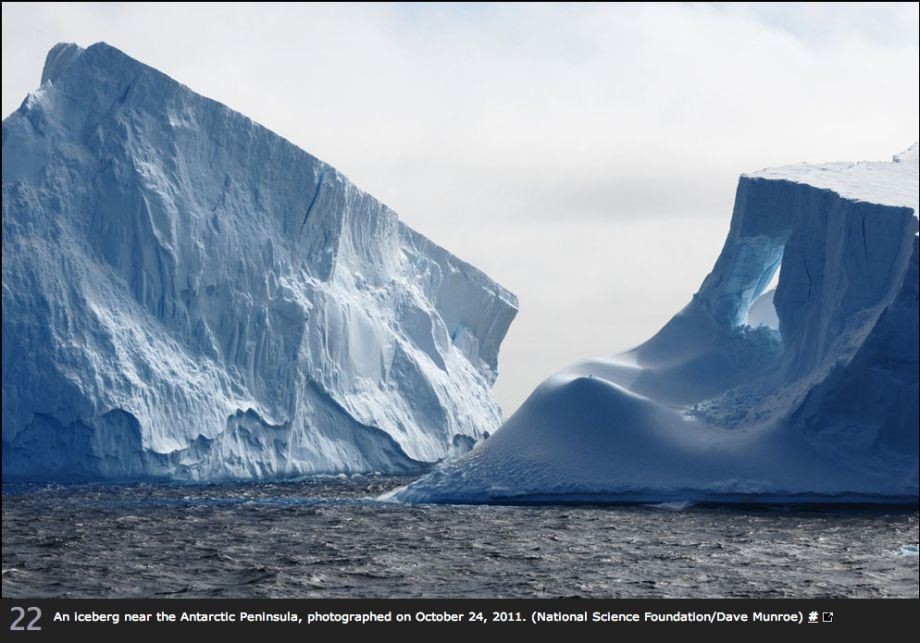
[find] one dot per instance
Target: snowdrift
(805, 394)
(187, 295)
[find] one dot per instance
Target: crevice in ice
(319, 185)
(807, 277)
(124, 95)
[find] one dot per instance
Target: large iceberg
(803, 394)
(187, 295)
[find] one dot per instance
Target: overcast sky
(584, 156)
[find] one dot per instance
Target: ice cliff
(803, 394)
(187, 295)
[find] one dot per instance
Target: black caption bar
(120, 618)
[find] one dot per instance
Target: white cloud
(489, 121)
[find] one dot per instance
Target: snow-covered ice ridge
(821, 405)
(187, 295)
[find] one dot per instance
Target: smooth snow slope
(823, 409)
(187, 295)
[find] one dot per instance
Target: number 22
(22, 614)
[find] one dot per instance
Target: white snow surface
(882, 182)
(720, 406)
(187, 295)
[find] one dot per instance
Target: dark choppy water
(329, 538)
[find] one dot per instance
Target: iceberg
(803, 394)
(189, 296)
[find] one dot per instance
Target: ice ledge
(58, 59)
(894, 183)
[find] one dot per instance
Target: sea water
(331, 537)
